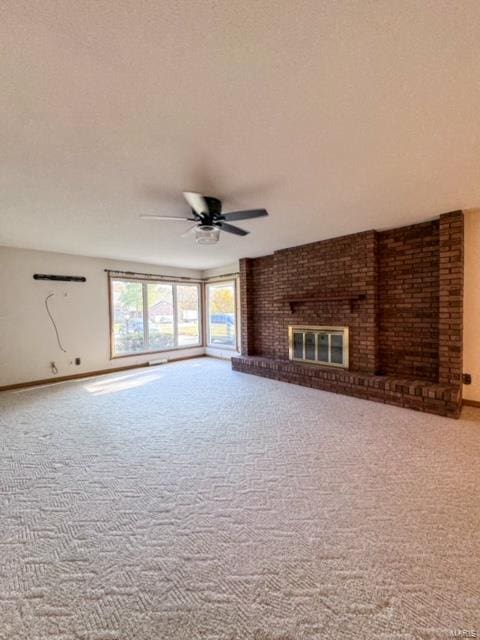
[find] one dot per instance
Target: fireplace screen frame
(319, 330)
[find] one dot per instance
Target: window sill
(221, 347)
(150, 353)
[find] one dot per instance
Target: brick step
(421, 395)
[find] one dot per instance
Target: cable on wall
(53, 322)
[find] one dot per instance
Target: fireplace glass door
(319, 345)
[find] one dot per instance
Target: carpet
(188, 501)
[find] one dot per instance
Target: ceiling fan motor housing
(214, 206)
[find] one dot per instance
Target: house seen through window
(154, 316)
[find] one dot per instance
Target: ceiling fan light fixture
(207, 234)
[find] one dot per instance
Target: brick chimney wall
(408, 295)
(451, 298)
(410, 323)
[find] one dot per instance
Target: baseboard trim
(87, 374)
(471, 403)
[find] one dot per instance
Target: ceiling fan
(209, 219)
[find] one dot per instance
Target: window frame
(145, 282)
(234, 282)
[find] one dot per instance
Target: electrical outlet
(467, 378)
(77, 361)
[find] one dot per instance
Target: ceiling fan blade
(230, 228)
(245, 215)
(197, 202)
(188, 231)
(165, 218)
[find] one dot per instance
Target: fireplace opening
(327, 346)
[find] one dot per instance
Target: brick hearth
(405, 332)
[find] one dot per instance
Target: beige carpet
(188, 502)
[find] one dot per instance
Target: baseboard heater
(154, 363)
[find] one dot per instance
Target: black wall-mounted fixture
(42, 276)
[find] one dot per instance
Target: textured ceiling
(337, 117)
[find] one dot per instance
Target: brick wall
(408, 301)
(409, 325)
(408, 328)
(263, 292)
(451, 231)
(341, 265)
(247, 307)
(346, 264)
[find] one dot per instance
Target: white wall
(27, 339)
(471, 305)
(233, 267)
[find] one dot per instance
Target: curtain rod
(165, 277)
(150, 275)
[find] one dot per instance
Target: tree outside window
(221, 314)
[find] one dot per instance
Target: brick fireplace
(398, 292)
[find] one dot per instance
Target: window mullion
(207, 314)
(200, 314)
(146, 337)
(175, 315)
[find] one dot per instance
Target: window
(149, 315)
(188, 329)
(161, 321)
(221, 314)
(128, 334)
